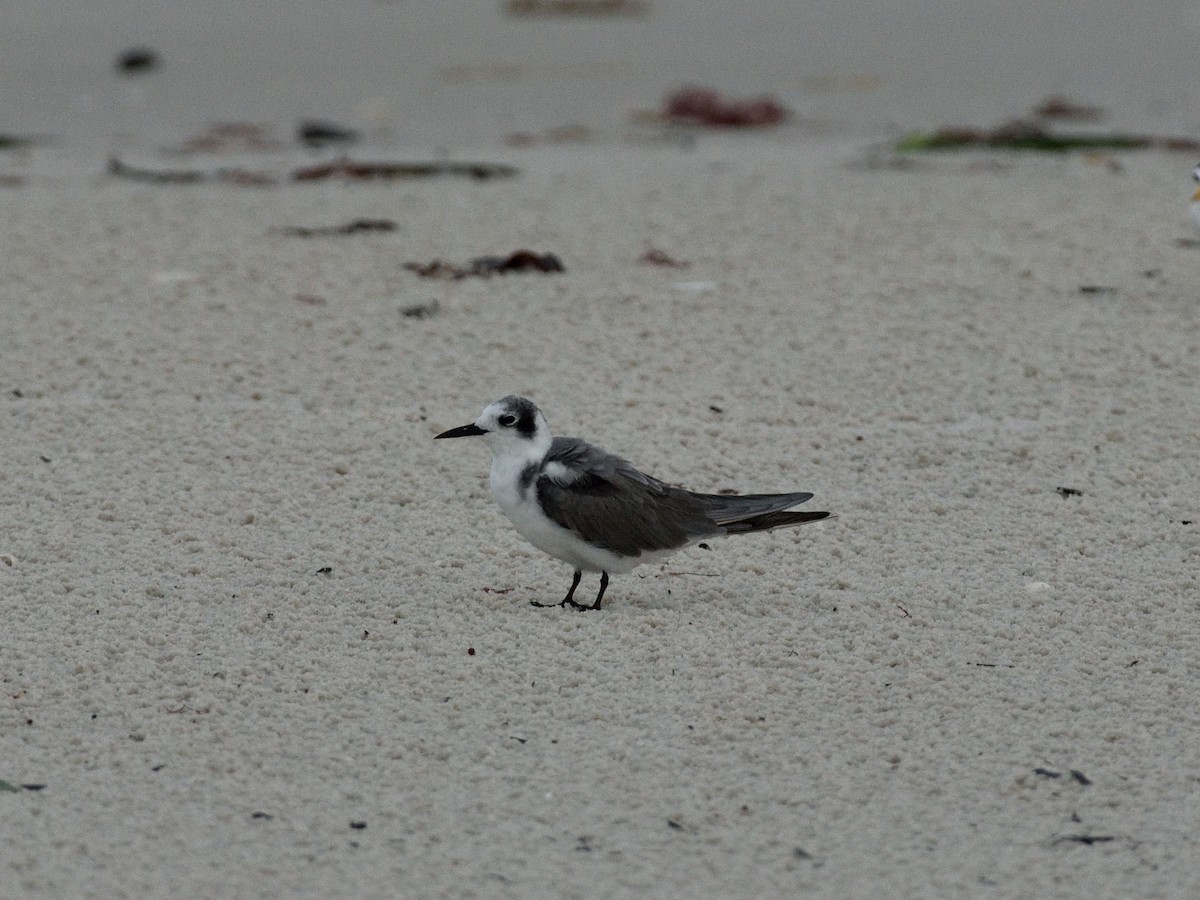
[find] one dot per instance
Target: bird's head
(511, 426)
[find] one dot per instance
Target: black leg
(596, 605)
(567, 600)
(599, 596)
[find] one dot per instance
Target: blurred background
(471, 72)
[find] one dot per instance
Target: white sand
(856, 708)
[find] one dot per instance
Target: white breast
(532, 524)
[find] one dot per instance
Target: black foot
(599, 596)
(569, 600)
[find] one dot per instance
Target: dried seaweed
(704, 106)
(487, 266)
(1028, 135)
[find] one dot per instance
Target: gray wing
(609, 503)
(726, 509)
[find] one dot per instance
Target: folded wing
(609, 503)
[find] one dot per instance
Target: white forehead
(528, 418)
(497, 408)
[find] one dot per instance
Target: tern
(595, 511)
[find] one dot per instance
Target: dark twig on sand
(369, 171)
(343, 168)
(487, 266)
(353, 227)
(575, 7)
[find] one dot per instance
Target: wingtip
(772, 520)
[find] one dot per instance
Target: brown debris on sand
(704, 106)
(355, 226)
(1024, 134)
(653, 256)
(369, 171)
(230, 137)
(563, 134)
(345, 169)
(487, 266)
(576, 7)
(1034, 132)
(1057, 106)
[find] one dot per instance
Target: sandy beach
(264, 637)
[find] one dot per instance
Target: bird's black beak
(462, 431)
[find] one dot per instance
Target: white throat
(511, 458)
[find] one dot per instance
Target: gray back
(611, 504)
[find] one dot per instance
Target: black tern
(594, 510)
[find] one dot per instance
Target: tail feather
(725, 509)
(772, 520)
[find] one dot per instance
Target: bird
(1194, 206)
(596, 512)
